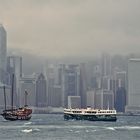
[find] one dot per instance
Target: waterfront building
(74, 102)
(104, 99)
(55, 96)
(27, 83)
(41, 99)
(91, 98)
(120, 91)
(133, 104)
(70, 82)
(83, 84)
(120, 100)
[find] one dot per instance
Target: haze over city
(71, 28)
(63, 60)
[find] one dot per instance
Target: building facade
(104, 99)
(70, 82)
(27, 83)
(91, 98)
(3, 53)
(74, 102)
(41, 98)
(14, 67)
(133, 105)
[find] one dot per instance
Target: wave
(30, 130)
(128, 128)
(110, 128)
(27, 130)
(27, 123)
(77, 132)
(123, 128)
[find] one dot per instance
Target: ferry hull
(90, 117)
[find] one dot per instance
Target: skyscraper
(91, 98)
(27, 83)
(133, 86)
(120, 91)
(104, 99)
(106, 64)
(3, 53)
(70, 82)
(41, 99)
(14, 66)
(83, 84)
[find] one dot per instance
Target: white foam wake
(27, 123)
(27, 130)
(110, 128)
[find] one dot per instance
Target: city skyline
(76, 78)
(103, 80)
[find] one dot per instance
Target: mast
(4, 97)
(26, 93)
(12, 91)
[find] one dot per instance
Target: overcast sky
(57, 28)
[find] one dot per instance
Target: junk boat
(90, 114)
(13, 114)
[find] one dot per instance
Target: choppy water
(53, 127)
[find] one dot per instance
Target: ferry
(90, 114)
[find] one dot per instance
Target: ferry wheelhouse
(90, 114)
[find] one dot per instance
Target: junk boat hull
(90, 114)
(17, 114)
(15, 117)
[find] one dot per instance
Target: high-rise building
(14, 66)
(104, 99)
(133, 105)
(55, 96)
(83, 84)
(27, 83)
(106, 82)
(51, 83)
(70, 82)
(3, 53)
(91, 98)
(106, 64)
(96, 78)
(120, 90)
(120, 79)
(74, 102)
(41, 99)
(120, 100)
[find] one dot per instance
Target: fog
(71, 28)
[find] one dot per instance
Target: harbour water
(54, 127)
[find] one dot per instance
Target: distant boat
(90, 114)
(13, 114)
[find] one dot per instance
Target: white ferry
(90, 114)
